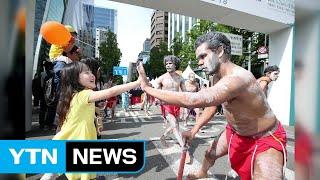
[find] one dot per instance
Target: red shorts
(111, 101)
(242, 148)
(135, 100)
(303, 154)
(171, 109)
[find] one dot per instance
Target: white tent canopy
(187, 72)
(185, 76)
(154, 83)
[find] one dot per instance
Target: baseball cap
(70, 29)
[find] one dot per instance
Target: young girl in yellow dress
(76, 108)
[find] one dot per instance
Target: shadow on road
(154, 161)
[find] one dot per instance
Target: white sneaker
(49, 176)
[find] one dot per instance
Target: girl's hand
(142, 74)
(142, 77)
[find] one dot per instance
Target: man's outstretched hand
(188, 136)
(142, 77)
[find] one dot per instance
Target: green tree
(110, 54)
(155, 67)
(177, 43)
(257, 40)
(187, 51)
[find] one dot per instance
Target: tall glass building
(86, 34)
(88, 17)
(147, 45)
(106, 18)
(53, 11)
(40, 6)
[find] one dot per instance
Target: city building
(100, 37)
(159, 27)
(40, 6)
(132, 71)
(144, 55)
(86, 43)
(107, 18)
(86, 32)
(179, 24)
(104, 19)
(147, 45)
(79, 14)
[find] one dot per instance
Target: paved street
(163, 163)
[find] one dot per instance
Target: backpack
(50, 90)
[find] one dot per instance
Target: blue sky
(134, 26)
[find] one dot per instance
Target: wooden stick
(182, 162)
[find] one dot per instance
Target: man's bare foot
(189, 159)
(198, 175)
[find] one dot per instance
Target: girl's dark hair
(93, 65)
(69, 85)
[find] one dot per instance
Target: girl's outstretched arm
(111, 92)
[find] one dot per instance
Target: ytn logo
(33, 153)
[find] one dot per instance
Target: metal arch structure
(252, 15)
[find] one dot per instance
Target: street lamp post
(249, 59)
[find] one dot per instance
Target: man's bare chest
(231, 104)
(191, 87)
(170, 83)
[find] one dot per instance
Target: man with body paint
(271, 73)
(172, 82)
(191, 86)
(254, 139)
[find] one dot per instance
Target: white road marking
(135, 118)
(172, 157)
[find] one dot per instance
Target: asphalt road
(162, 162)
